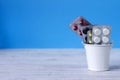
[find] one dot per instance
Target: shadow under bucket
(98, 56)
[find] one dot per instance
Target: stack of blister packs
(91, 34)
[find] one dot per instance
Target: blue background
(45, 23)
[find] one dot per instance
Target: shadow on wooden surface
(114, 67)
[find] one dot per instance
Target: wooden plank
(53, 64)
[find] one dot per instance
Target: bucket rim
(110, 44)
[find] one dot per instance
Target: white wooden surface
(53, 64)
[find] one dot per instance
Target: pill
(97, 31)
(106, 31)
(96, 39)
(105, 39)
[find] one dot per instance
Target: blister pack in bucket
(97, 43)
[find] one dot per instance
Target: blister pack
(101, 34)
(91, 34)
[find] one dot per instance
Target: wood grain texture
(53, 64)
